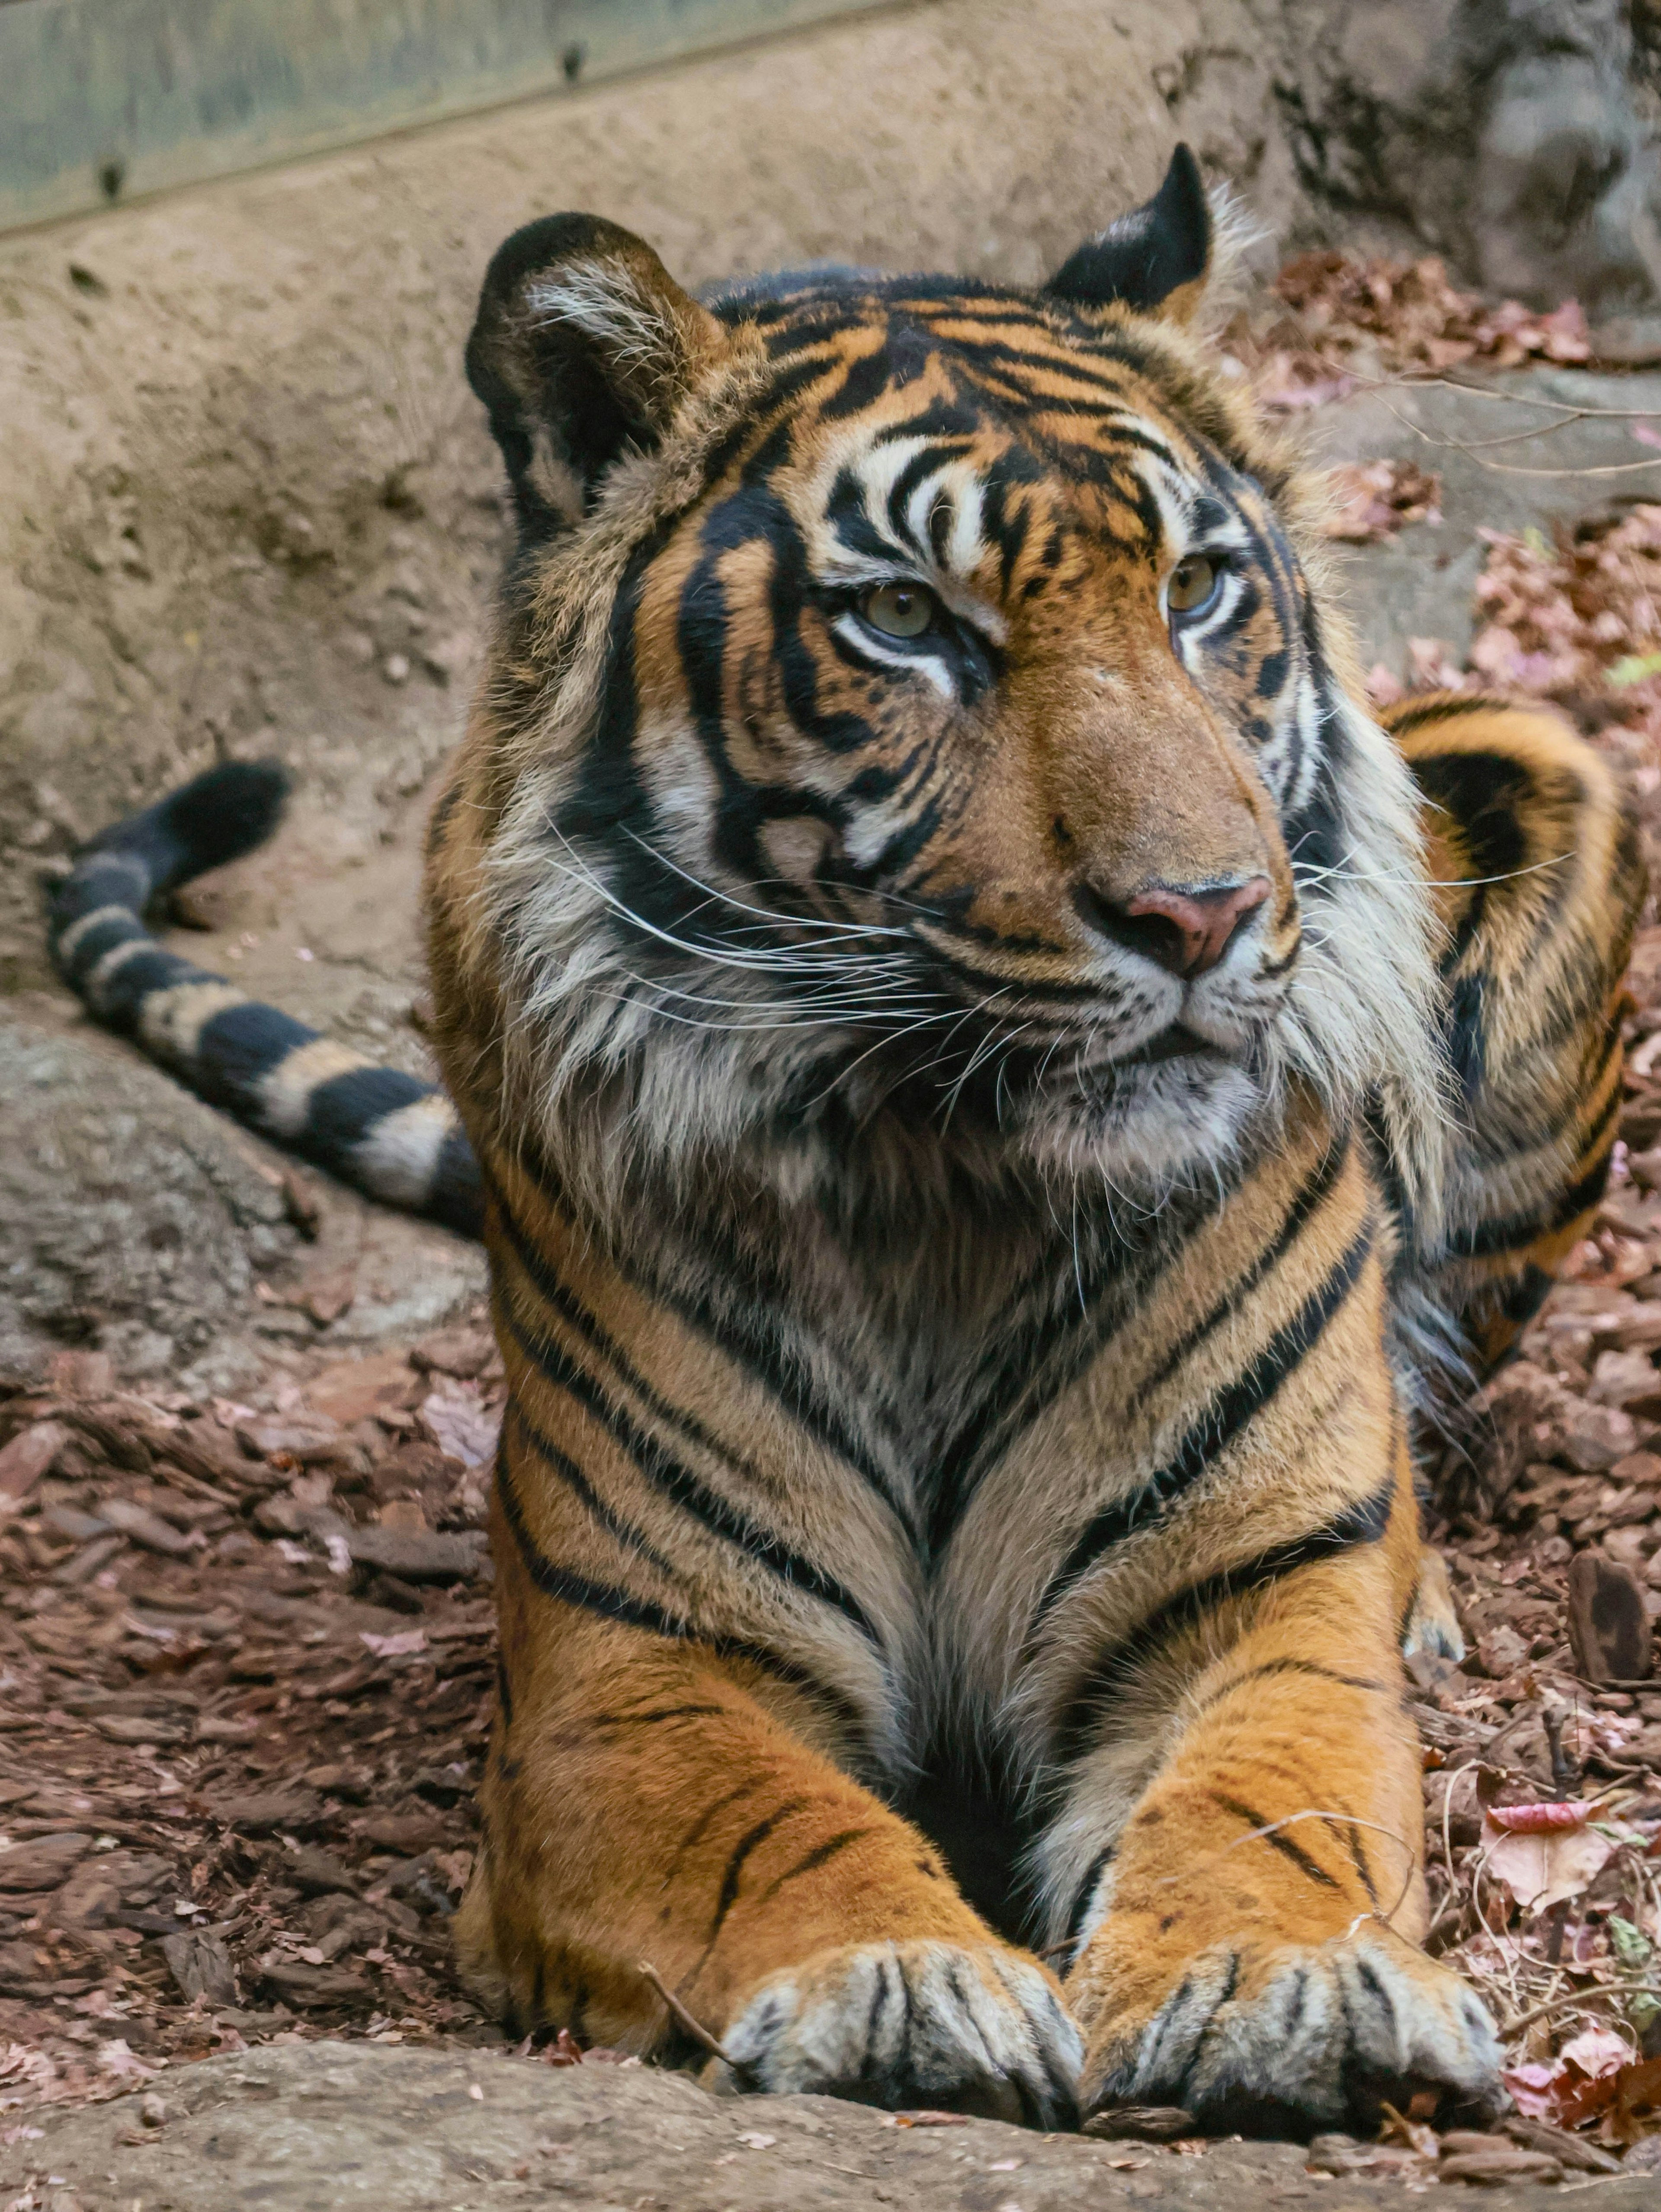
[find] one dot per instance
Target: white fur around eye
(868, 641)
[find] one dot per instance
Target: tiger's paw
(1287, 2040)
(975, 2030)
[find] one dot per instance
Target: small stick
(699, 2034)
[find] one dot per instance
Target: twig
(1617, 1990)
(699, 2034)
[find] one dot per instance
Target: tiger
(988, 1079)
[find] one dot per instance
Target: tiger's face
(927, 735)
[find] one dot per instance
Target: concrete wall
(107, 99)
(247, 502)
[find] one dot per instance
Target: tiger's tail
(392, 1136)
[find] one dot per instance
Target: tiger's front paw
(975, 2030)
(1287, 2039)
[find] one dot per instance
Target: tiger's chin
(1157, 1118)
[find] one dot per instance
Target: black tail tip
(216, 817)
(227, 812)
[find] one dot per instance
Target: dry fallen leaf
(1541, 1869)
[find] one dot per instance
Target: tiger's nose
(1185, 932)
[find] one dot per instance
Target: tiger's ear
(1154, 259)
(582, 349)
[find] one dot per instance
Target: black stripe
(1491, 1240)
(1292, 1666)
(584, 1322)
(749, 1340)
(1362, 1521)
(235, 1051)
(1276, 1838)
(575, 1589)
(121, 1000)
(750, 1841)
(1307, 1203)
(1098, 1868)
(456, 1197)
(1400, 720)
(562, 1464)
(608, 1603)
(1045, 1352)
(123, 928)
(821, 1855)
(661, 1713)
(342, 1112)
(676, 1482)
(1350, 1835)
(1229, 1413)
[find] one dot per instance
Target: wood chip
(1609, 1624)
(30, 1453)
(201, 1966)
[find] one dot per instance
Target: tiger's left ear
(583, 350)
(1154, 259)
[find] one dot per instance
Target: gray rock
(136, 1219)
(1515, 137)
(321, 2127)
(1557, 466)
(131, 1216)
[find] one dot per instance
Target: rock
(201, 1966)
(297, 2127)
(110, 1174)
(1450, 121)
(1609, 1624)
(29, 1456)
(42, 1862)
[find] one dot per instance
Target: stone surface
(321, 2127)
(1559, 453)
(136, 1219)
(1517, 138)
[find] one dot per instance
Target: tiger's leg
(1539, 881)
(691, 1680)
(1250, 1943)
(647, 1803)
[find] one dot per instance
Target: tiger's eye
(898, 609)
(1193, 580)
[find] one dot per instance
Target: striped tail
(395, 1138)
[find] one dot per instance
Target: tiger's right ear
(582, 349)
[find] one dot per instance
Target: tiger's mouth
(1177, 1042)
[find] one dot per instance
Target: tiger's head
(912, 728)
